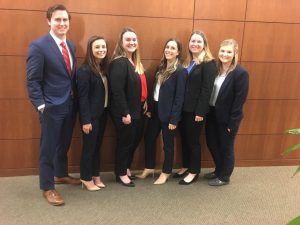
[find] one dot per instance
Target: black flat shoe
(210, 176)
(177, 175)
(183, 182)
(130, 184)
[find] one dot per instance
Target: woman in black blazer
(201, 75)
(128, 88)
(226, 112)
(165, 103)
(93, 101)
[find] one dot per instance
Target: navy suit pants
(90, 156)
(57, 122)
(152, 131)
(221, 145)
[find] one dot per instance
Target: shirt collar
(56, 39)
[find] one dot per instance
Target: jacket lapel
(55, 49)
(192, 70)
(225, 83)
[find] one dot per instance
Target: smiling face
(99, 49)
(226, 54)
(129, 42)
(196, 45)
(59, 23)
(171, 51)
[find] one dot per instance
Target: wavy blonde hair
(120, 51)
(205, 55)
(234, 62)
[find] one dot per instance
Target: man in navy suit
(51, 75)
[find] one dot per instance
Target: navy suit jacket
(171, 96)
(231, 98)
(48, 80)
(91, 94)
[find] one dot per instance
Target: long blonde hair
(205, 55)
(234, 62)
(120, 51)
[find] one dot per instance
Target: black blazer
(199, 85)
(171, 96)
(231, 98)
(91, 94)
(125, 89)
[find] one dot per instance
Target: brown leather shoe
(67, 180)
(53, 197)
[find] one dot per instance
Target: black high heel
(177, 175)
(132, 177)
(130, 184)
(183, 182)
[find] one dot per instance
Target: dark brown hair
(54, 8)
(164, 72)
(90, 60)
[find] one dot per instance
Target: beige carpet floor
(255, 196)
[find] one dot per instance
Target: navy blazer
(199, 85)
(48, 80)
(125, 89)
(231, 98)
(91, 95)
(171, 96)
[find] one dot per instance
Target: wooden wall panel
(83, 26)
(12, 77)
(273, 11)
(270, 42)
(18, 120)
(273, 80)
(264, 147)
(270, 116)
(223, 29)
(32, 25)
(151, 31)
(145, 8)
(220, 9)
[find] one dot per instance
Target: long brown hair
(90, 60)
(206, 57)
(120, 51)
(164, 72)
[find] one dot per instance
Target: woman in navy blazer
(128, 88)
(165, 102)
(201, 75)
(226, 112)
(93, 102)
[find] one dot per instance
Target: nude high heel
(146, 172)
(89, 185)
(163, 178)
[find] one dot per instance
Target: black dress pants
(191, 150)
(90, 156)
(125, 139)
(138, 127)
(221, 145)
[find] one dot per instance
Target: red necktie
(65, 54)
